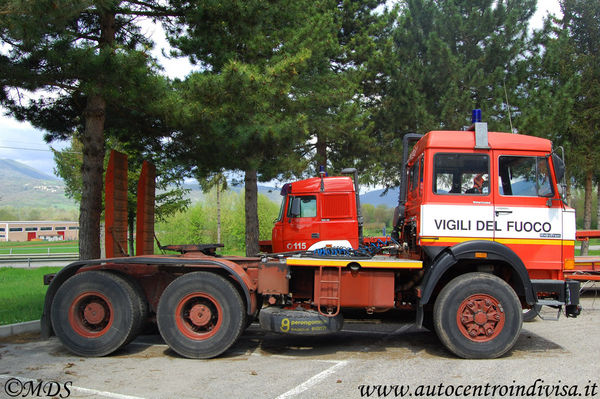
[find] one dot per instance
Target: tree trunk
(587, 208)
(90, 207)
(92, 141)
(131, 230)
(251, 208)
(598, 206)
(218, 213)
(321, 153)
(569, 193)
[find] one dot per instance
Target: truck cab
(316, 212)
(504, 190)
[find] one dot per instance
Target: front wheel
(200, 315)
(478, 316)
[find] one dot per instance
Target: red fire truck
(480, 233)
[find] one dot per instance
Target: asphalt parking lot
(551, 359)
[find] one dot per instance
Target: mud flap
(572, 309)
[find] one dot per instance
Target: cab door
(277, 232)
(528, 211)
(302, 223)
(460, 206)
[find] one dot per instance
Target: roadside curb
(20, 328)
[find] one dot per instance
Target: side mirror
(295, 211)
(559, 167)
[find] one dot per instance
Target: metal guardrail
(68, 255)
(29, 258)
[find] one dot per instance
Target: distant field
(39, 247)
(594, 241)
(22, 293)
(14, 244)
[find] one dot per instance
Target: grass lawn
(593, 241)
(22, 293)
(39, 247)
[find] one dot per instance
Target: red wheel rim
(480, 317)
(91, 314)
(198, 316)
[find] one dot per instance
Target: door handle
(498, 213)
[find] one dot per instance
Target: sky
(21, 142)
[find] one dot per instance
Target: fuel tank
(298, 321)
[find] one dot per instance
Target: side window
(524, 176)
(461, 174)
(304, 206)
(414, 176)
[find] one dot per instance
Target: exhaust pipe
(399, 212)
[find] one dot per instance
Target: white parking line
(76, 388)
(313, 380)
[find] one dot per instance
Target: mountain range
(23, 186)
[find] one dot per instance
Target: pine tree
(561, 98)
(581, 19)
(86, 59)
(242, 112)
(448, 58)
(339, 88)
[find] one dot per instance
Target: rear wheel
(94, 313)
(478, 316)
(200, 315)
(141, 308)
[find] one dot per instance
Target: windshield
(281, 209)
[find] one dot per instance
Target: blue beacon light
(476, 115)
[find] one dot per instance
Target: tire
(94, 313)
(217, 320)
(141, 307)
(530, 314)
(478, 316)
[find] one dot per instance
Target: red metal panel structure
(584, 235)
(586, 268)
(144, 242)
(115, 216)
